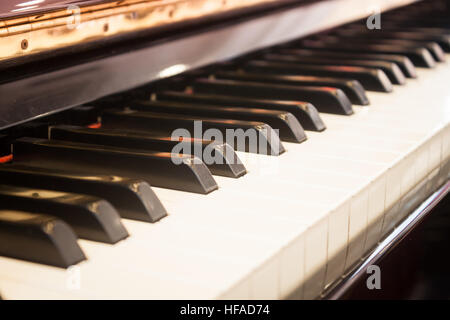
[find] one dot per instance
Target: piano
(339, 118)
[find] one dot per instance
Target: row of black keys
(283, 88)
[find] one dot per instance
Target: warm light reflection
(345, 68)
(329, 89)
(182, 139)
(29, 3)
(166, 155)
(14, 216)
(172, 70)
(42, 194)
(5, 159)
(99, 19)
(24, 9)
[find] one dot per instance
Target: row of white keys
(289, 219)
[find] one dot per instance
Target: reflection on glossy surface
(30, 193)
(29, 27)
(29, 3)
(7, 7)
(173, 70)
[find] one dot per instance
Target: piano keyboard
(364, 133)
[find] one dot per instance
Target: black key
(79, 116)
(435, 50)
(133, 198)
(226, 161)
(391, 69)
(157, 168)
(411, 26)
(442, 39)
(289, 128)
(403, 62)
(331, 100)
(91, 218)
(433, 47)
(421, 57)
(352, 88)
(5, 149)
(264, 139)
(371, 79)
(417, 29)
(38, 238)
(421, 21)
(305, 112)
